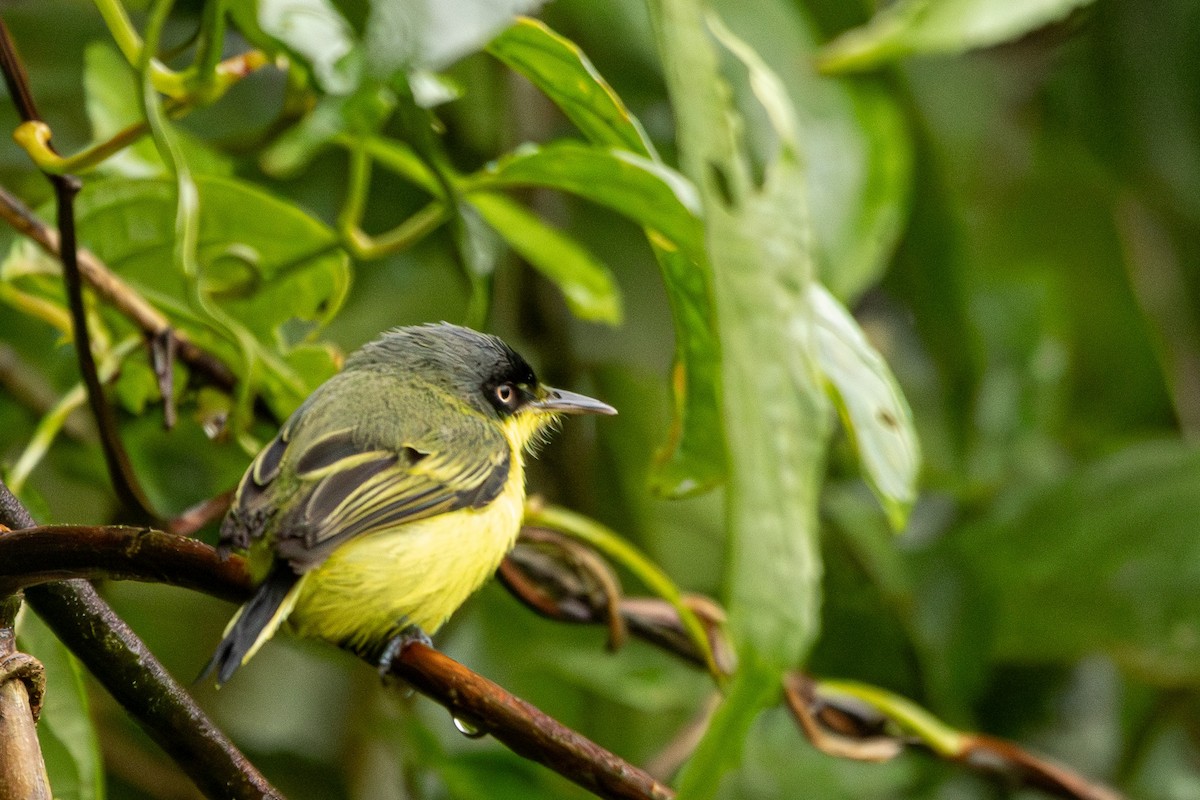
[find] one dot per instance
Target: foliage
(679, 202)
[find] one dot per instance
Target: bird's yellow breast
(417, 573)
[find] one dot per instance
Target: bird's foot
(395, 646)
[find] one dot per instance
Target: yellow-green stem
(911, 718)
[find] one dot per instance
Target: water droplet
(469, 730)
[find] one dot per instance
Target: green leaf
(112, 105)
(1105, 561)
(693, 458)
(589, 287)
(136, 385)
(312, 32)
(556, 66)
(650, 194)
(871, 405)
(775, 412)
(271, 267)
(296, 147)
(911, 27)
(69, 742)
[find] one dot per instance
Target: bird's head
(483, 373)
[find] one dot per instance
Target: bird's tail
(255, 622)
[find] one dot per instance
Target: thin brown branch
(843, 727)
(556, 589)
(832, 731)
(832, 724)
(134, 677)
(523, 728)
(201, 514)
(1012, 763)
(66, 187)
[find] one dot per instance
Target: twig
(199, 515)
(26, 385)
(66, 187)
(1005, 759)
(131, 674)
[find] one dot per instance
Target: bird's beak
(560, 401)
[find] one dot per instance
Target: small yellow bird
(390, 495)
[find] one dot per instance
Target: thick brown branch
(53, 552)
(66, 187)
(128, 670)
(64, 552)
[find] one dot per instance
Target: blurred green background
(1009, 204)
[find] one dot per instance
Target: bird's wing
(340, 485)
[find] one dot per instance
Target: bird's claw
(395, 646)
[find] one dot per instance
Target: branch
(53, 552)
(523, 728)
(841, 719)
(47, 553)
(120, 471)
(870, 724)
(128, 670)
(838, 718)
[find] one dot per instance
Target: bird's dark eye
(506, 393)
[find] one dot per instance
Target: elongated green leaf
(939, 26)
(1106, 561)
(68, 738)
(559, 69)
(650, 194)
(588, 286)
(775, 413)
(871, 404)
(693, 458)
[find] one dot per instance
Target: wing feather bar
(355, 492)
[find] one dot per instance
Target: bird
(390, 495)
